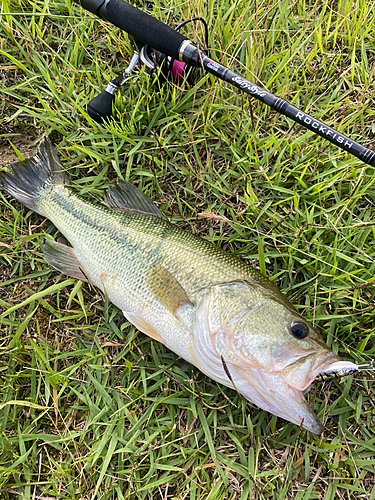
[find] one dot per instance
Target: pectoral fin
(63, 258)
(166, 288)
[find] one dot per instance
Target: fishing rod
(172, 45)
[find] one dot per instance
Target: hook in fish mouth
(337, 369)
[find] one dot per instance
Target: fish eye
(299, 330)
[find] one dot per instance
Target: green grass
(90, 408)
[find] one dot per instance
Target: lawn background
(89, 407)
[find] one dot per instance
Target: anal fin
(63, 258)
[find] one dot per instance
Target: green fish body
(206, 305)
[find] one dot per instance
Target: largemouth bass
(206, 305)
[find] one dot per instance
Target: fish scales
(117, 249)
(208, 306)
(134, 242)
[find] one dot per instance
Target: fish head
(251, 338)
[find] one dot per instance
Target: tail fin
(34, 177)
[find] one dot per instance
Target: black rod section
(191, 55)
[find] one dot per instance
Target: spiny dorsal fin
(125, 196)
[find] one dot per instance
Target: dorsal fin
(125, 196)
